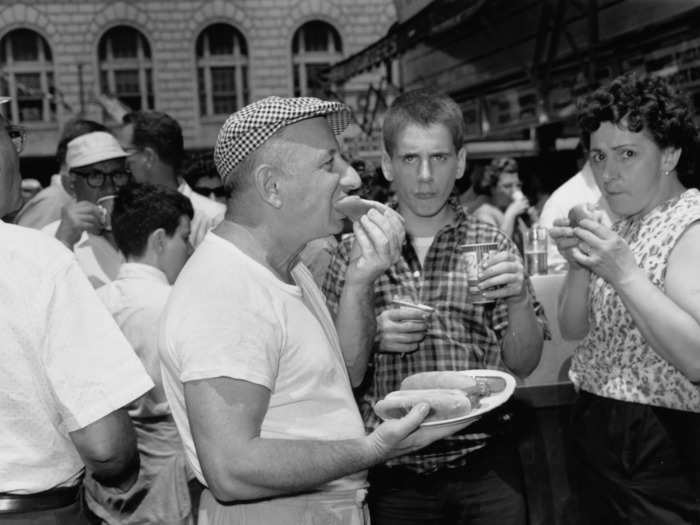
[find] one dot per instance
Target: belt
(51, 499)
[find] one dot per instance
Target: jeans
(486, 491)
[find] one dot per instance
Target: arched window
(27, 76)
(315, 46)
(126, 69)
(222, 70)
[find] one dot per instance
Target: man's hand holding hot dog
(379, 236)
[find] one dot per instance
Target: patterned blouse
(614, 360)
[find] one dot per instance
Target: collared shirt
(64, 364)
(136, 299)
(461, 335)
(207, 213)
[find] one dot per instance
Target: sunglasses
(219, 191)
(17, 135)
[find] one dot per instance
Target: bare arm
(108, 449)
(378, 240)
(670, 322)
(522, 344)
(572, 305)
(226, 416)
(504, 278)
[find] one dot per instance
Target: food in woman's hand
(580, 212)
(353, 207)
(444, 404)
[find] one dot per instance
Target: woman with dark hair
(632, 294)
(499, 199)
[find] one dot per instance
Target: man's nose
(349, 178)
(424, 171)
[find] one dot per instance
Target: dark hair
(486, 179)
(157, 130)
(423, 107)
(72, 129)
(199, 165)
(647, 103)
(140, 209)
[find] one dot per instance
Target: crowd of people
(205, 342)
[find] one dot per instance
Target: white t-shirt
(229, 316)
(207, 213)
(63, 362)
(99, 260)
(136, 299)
(421, 245)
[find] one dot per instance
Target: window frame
(303, 58)
(42, 66)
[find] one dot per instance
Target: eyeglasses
(96, 178)
(17, 135)
(218, 191)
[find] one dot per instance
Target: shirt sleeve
(335, 275)
(91, 367)
(239, 335)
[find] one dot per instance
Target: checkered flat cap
(249, 128)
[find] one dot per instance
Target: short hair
(140, 209)
(157, 130)
(198, 165)
(423, 107)
(647, 103)
(72, 129)
(486, 179)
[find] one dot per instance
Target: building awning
(437, 17)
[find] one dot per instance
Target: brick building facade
(196, 60)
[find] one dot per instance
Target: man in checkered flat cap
(252, 365)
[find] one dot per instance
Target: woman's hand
(563, 236)
(604, 252)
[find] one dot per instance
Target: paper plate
(486, 404)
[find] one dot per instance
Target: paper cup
(106, 205)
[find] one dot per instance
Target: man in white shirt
(155, 146)
(151, 226)
(96, 168)
(252, 367)
(65, 371)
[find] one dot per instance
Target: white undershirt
(421, 245)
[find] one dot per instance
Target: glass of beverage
(536, 251)
(106, 205)
(473, 257)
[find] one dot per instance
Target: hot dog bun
(353, 207)
(580, 212)
(444, 404)
(444, 379)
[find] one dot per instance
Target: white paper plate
(486, 404)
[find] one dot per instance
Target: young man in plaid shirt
(470, 477)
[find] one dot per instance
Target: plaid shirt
(461, 335)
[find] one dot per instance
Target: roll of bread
(470, 385)
(353, 207)
(444, 404)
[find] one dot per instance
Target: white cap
(93, 147)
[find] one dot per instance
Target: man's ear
(156, 241)
(461, 161)
(68, 182)
(267, 179)
(386, 166)
(150, 157)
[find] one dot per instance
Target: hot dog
(444, 404)
(353, 207)
(580, 212)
